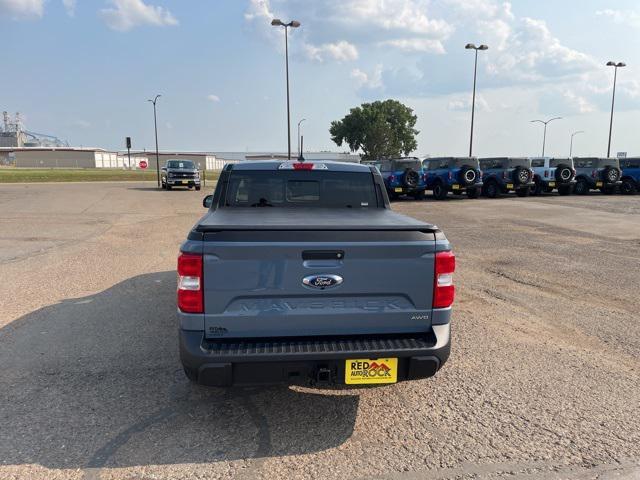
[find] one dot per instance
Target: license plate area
(510, 185)
(365, 371)
(397, 190)
(552, 184)
(599, 184)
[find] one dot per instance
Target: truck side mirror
(207, 201)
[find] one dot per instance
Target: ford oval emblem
(322, 281)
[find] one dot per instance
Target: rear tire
(581, 187)
(564, 190)
(197, 189)
(439, 192)
(608, 190)
(473, 193)
(419, 195)
(169, 187)
(522, 192)
(628, 187)
(491, 190)
(191, 374)
(537, 189)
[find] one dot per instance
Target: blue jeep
(597, 173)
(453, 174)
(506, 174)
(403, 176)
(630, 175)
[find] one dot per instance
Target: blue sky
(82, 70)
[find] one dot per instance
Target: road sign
(128, 142)
(621, 155)
(143, 164)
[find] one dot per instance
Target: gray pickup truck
(300, 273)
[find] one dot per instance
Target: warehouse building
(69, 157)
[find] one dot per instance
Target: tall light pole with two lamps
(276, 22)
(155, 125)
(471, 46)
(544, 136)
(616, 66)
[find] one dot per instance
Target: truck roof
(276, 165)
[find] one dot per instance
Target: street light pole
(571, 144)
(544, 137)
(471, 46)
(155, 126)
(613, 98)
(299, 150)
(276, 22)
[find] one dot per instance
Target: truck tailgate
(253, 282)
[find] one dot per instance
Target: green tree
(379, 129)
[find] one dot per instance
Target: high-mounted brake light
(443, 288)
(190, 285)
(302, 166)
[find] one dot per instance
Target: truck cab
(453, 174)
(300, 273)
(553, 173)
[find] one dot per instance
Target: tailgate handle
(323, 255)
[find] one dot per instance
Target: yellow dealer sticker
(365, 371)
(398, 189)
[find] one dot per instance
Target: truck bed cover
(225, 219)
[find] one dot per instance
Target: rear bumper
(309, 361)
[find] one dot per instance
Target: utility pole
(155, 126)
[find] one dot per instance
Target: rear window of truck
(283, 188)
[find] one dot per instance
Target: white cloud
(213, 98)
(463, 103)
(369, 81)
(340, 51)
(398, 24)
(630, 18)
(22, 9)
(415, 44)
(81, 123)
(70, 7)
(407, 16)
(127, 14)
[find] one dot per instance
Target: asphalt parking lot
(543, 381)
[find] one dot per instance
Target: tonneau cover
(266, 218)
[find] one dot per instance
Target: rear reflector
(443, 289)
(190, 293)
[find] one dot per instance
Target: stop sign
(143, 164)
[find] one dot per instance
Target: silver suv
(553, 173)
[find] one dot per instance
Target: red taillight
(392, 178)
(594, 173)
(450, 175)
(546, 173)
(190, 295)
(443, 290)
(505, 175)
